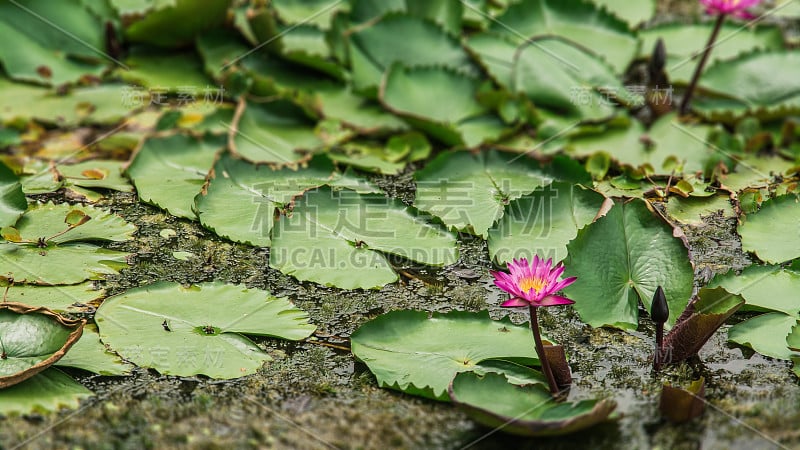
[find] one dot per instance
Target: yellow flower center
(528, 283)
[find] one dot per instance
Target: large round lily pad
(470, 192)
(169, 171)
(620, 260)
(523, 410)
(31, 340)
(419, 354)
(759, 230)
(49, 245)
(342, 238)
(543, 222)
(196, 330)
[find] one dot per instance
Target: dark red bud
(659, 311)
(659, 58)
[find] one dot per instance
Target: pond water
(315, 395)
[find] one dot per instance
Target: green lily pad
(284, 78)
(164, 72)
(470, 192)
(543, 222)
(90, 354)
(31, 340)
(169, 23)
(48, 391)
(366, 10)
(575, 20)
(693, 210)
(51, 43)
(420, 353)
(170, 171)
(764, 288)
(758, 230)
(756, 172)
(446, 13)
(219, 49)
(516, 373)
(736, 95)
(304, 44)
(62, 264)
(9, 136)
(104, 104)
(365, 115)
(276, 132)
(766, 334)
(635, 13)
(523, 410)
(92, 174)
(793, 340)
(668, 145)
(46, 251)
(620, 260)
(241, 198)
(546, 72)
(366, 156)
(373, 49)
(208, 116)
(388, 157)
(332, 234)
(74, 298)
(12, 200)
(684, 42)
(48, 219)
(197, 330)
(316, 12)
(442, 102)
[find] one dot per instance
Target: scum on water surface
(315, 395)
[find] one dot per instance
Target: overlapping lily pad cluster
(528, 123)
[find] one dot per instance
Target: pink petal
(555, 300)
(736, 9)
(499, 276)
(563, 283)
(531, 295)
(527, 271)
(744, 4)
(744, 15)
(511, 288)
(514, 302)
(518, 265)
(505, 282)
(555, 273)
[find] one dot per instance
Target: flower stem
(687, 97)
(659, 346)
(537, 338)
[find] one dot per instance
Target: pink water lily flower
(533, 284)
(736, 8)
